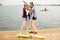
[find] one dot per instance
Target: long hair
(24, 6)
(32, 4)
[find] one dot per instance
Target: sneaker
(31, 32)
(34, 32)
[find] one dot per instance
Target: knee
(32, 24)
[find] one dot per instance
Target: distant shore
(41, 5)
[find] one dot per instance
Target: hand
(24, 1)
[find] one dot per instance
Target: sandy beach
(50, 34)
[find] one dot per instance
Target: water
(10, 17)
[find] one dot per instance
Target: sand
(50, 34)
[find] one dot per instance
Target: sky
(19, 2)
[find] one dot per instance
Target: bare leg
(28, 24)
(33, 25)
(23, 24)
(27, 27)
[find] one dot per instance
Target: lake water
(10, 17)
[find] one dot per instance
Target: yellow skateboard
(31, 36)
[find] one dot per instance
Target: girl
(32, 16)
(25, 17)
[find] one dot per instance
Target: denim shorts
(24, 19)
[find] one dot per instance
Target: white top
(27, 12)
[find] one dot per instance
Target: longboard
(30, 36)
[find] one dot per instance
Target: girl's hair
(27, 8)
(24, 5)
(32, 4)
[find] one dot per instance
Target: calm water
(10, 17)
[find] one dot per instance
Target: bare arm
(25, 2)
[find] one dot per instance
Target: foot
(33, 32)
